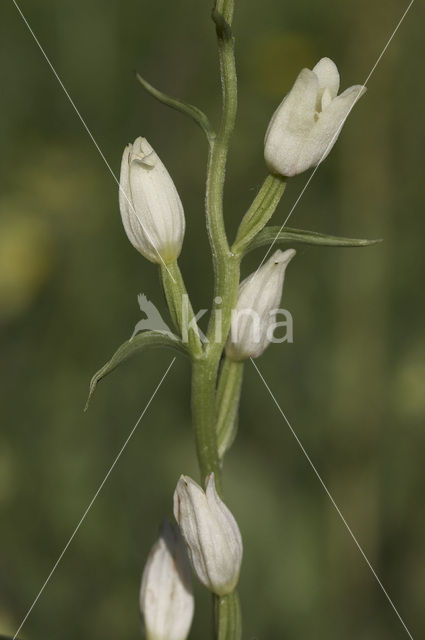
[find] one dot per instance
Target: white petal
(328, 75)
(326, 99)
(159, 216)
(124, 192)
(151, 209)
(328, 127)
(211, 534)
(166, 599)
(291, 124)
(228, 526)
(191, 512)
(259, 294)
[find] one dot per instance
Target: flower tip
(186, 480)
(283, 257)
(140, 141)
(327, 61)
(142, 148)
(307, 75)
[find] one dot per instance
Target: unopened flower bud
(256, 308)
(308, 121)
(151, 209)
(166, 599)
(212, 536)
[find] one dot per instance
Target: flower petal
(328, 127)
(291, 124)
(166, 597)
(211, 534)
(326, 99)
(328, 76)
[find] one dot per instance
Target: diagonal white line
(83, 122)
(338, 132)
(338, 510)
(83, 517)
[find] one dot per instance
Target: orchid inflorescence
(301, 133)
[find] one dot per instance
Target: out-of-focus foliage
(352, 384)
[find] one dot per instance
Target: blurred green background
(352, 384)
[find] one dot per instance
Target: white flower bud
(151, 209)
(166, 598)
(212, 536)
(256, 308)
(307, 123)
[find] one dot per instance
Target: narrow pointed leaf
(184, 107)
(144, 340)
(288, 235)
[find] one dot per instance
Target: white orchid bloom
(211, 533)
(151, 209)
(256, 309)
(308, 121)
(166, 597)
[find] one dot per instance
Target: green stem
(260, 211)
(204, 375)
(225, 8)
(226, 280)
(226, 265)
(221, 254)
(227, 404)
(180, 307)
(224, 303)
(228, 623)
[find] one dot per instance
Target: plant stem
(204, 375)
(227, 404)
(226, 265)
(180, 308)
(226, 271)
(228, 623)
(260, 211)
(221, 253)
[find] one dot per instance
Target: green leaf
(130, 348)
(184, 107)
(287, 235)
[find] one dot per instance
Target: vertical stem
(227, 403)
(260, 211)
(204, 379)
(221, 253)
(179, 306)
(226, 264)
(225, 7)
(226, 272)
(227, 617)
(204, 375)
